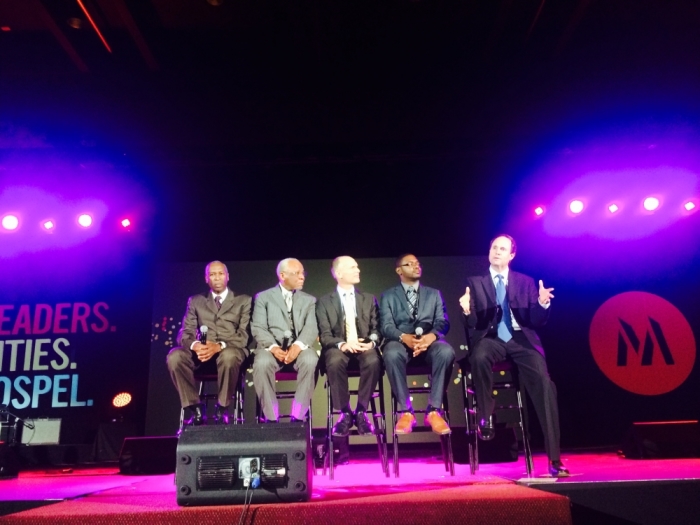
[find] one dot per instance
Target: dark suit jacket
(230, 324)
(395, 319)
(331, 318)
(522, 297)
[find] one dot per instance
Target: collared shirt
(345, 302)
(407, 286)
(504, 273)
(223, 295)
(285, 294)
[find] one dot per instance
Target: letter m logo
(628, 338)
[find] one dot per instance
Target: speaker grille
(274, 470)
(216, 472)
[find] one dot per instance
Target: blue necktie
(505, 329)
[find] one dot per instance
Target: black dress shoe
(558, 470)
(363, 423)
(343, 425)
(198, 416)
(485, 430)
(221, 415)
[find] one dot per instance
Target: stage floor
(91, 495)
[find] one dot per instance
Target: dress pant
(181, 365)
(337, 362)
(265, 366)
(440, 356)
(533, 374)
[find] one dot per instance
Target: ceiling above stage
(192, 73)
(397, 96)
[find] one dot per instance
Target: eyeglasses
(414, 264)
(296, 274)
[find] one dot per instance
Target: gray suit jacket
(270, 319)
(395, 318)
(230, 324)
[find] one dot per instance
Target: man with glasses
(284, 328)
(402, 310)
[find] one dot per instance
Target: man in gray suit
(226, 316)
(285, 309)
(402, 310)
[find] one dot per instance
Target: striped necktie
(412, 297)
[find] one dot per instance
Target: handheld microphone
(285, 341)
(203, 334)
(374, 338)
(419, 332)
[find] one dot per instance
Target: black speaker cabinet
(216, 465)
(663, 439)
(148, 455)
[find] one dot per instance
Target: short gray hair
(282, 265)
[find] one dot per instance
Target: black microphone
(419, 332)
(203, 334)
(285, 341)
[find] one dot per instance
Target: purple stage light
(48, 225)
(10, 222)
(539, 211)
(613, 208)
(126, 223)
(576, 206)
(689, 206)
(85, 220)
(651, 203)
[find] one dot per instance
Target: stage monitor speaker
(663, 439)
(45, 432)
(218, 465)
(9, 462)
(148, 455)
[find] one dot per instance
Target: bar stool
(505, 378)
(445, 440)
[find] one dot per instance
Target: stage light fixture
(651, 203)
(121, 400)
(689, 206)
(126, 223)
(48, 225)
(613, 208)
(539, 211)
(576, 206)
(85, 220)
(10, 222)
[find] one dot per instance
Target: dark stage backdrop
(73, 334)
(644, 342)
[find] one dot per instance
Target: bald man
(347, 319)
(226, 315)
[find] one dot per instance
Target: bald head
(345, 270)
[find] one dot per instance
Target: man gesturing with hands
(501, 311)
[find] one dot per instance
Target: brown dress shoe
(437, 423)
(405, 423)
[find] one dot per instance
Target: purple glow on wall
(629, 188)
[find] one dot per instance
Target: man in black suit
(502, 309)
(347, 318)
(402, 310)
(226, 316)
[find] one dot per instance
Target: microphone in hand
(419, 332)
(285, 341)
(203, 334)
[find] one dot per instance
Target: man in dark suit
(502, 309)
(402, 309)
(226, 316)
(284, 328)
(347, 318)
